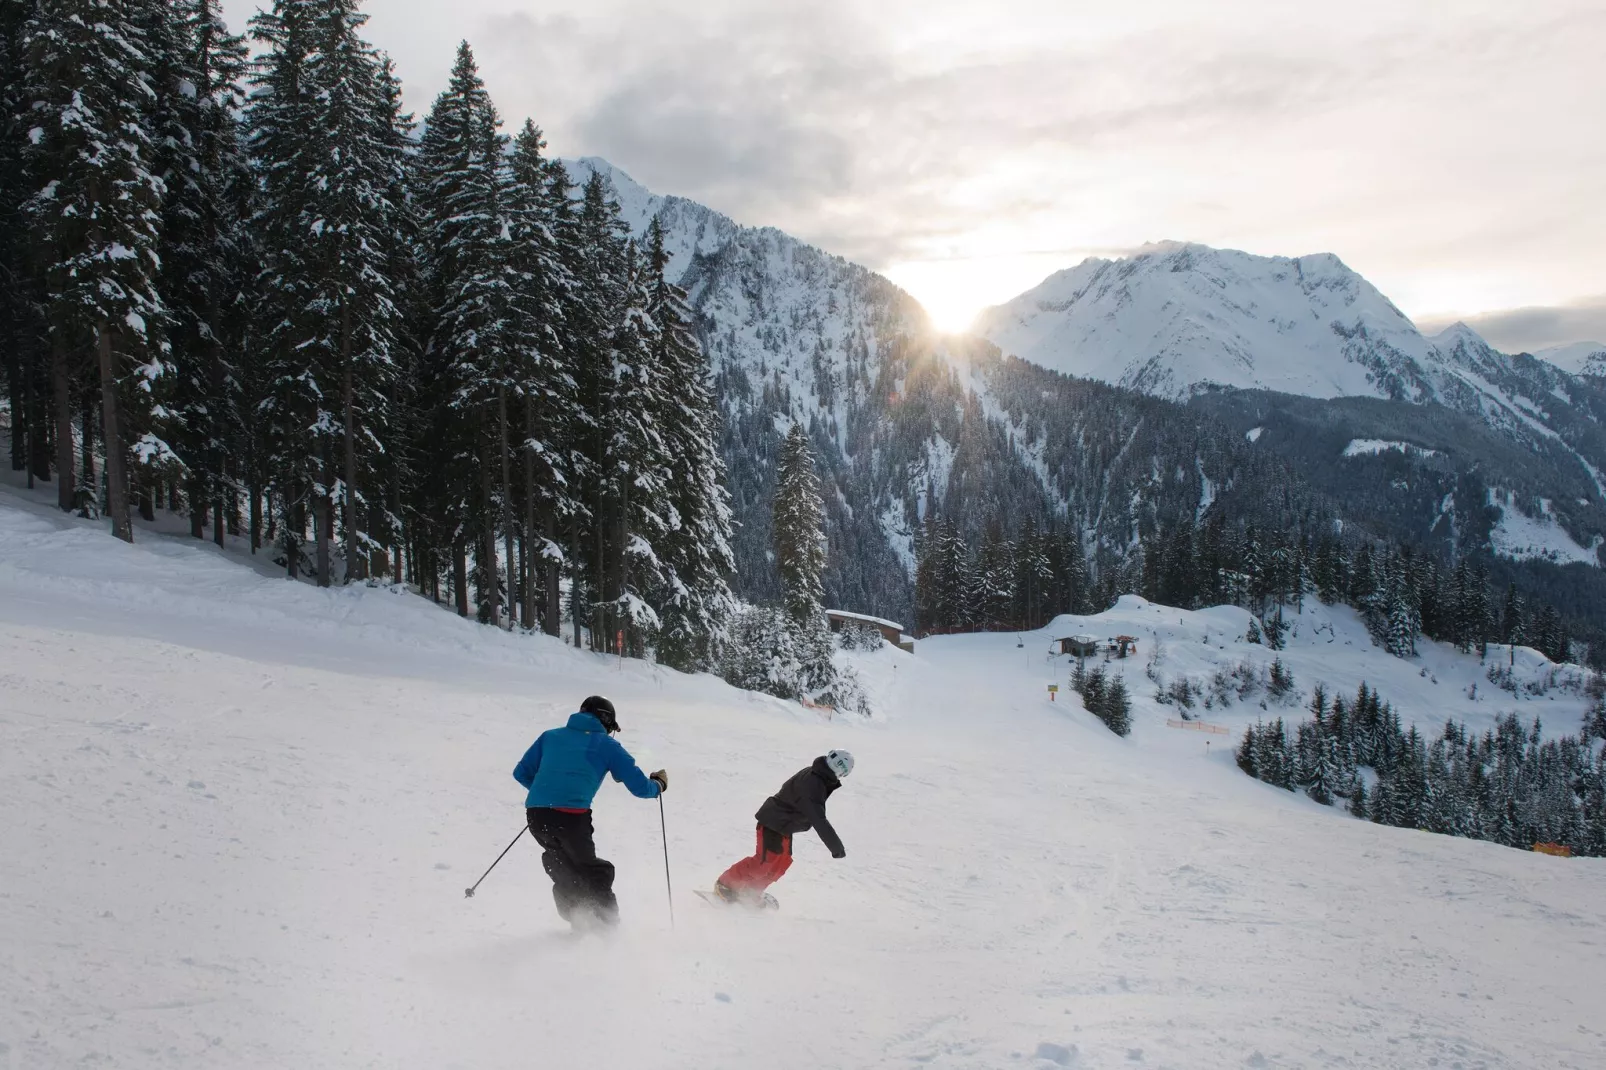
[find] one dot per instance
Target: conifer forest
(243, 285)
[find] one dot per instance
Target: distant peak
(1458, 332)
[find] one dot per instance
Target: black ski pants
(580, 880)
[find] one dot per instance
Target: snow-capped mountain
(1287, 362)
(1177, 318)
(1579, 358)
(1185, 321)
(793, 334)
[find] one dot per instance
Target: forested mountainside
(1182, 320)
(907, 422)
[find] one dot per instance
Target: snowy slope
(1579, 358)
(241, 813)
(1177, 317)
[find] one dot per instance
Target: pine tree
(281, 110)
(992, 592)
(1513, 628)
(476, 342)
(24, 339)
(636, 470)
(798, 521)
(1248, 750)
(323, 120)
(693, 599)
(96, 217)
(1400, 637)
(546, 388)
(592, 242)
(204, 257)
(1550, 636)
(1117, 707)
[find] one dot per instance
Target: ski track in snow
(241, 813)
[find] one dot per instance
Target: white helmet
(841, 763)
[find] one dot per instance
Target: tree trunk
(490, 576)
(356, 564)
(322, 522)
(116, 455)
(38, 431)
(485, 552)
(323, 525)
(17, 373)
(553, 621)
(86, 478)
(146, 482)
(460, 578)
(576, 581)
(535, 561)
(515, 579)
(61, 394)
(196, 493)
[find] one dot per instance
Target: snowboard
(715, 899)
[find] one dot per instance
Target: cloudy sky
(1453, 151)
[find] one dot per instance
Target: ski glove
(660, 778)
(840, 854)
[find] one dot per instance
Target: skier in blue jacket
(562, 771)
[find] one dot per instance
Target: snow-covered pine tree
(284, 391)
(348, 228)
(1248, 751)
(1034, 577)
(1396, 618)
(1321, 775)
(1513, 618)
(545, 384)
(322, 120)
(799, 517)
(1117, 712)
(23, 336)
(693, 598)
(955, 586)
(480, 339)
(203, 254)
(1550, 637)
(992, 594)
(929, 611)
(635, 469)
(96, 216)
(592, 243)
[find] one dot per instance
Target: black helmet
(602, 710)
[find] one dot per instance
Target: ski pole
(468, 893)
(668, 890)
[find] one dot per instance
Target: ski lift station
(890, 630)
(1087, 646)
(1079, 646)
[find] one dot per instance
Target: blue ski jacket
(564, 767)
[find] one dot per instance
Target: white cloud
(970, 149)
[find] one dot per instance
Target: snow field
(241, 813)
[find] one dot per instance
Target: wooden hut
(890, 630)
(1078, 646)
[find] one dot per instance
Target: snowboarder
(562, 771)
(797, 807)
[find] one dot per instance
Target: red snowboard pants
(772, 857)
